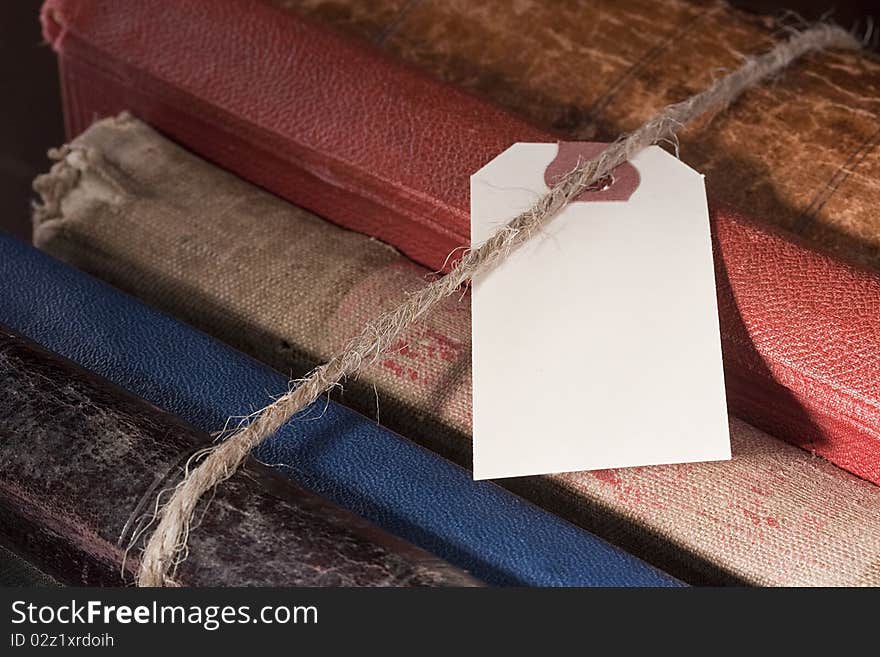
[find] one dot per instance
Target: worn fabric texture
(287, 287)
(801, 153)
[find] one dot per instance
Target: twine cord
(167, 544)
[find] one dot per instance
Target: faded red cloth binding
(366, 142)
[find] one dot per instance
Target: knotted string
(167, 545)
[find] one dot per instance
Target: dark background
(30, 119)
(30, 114)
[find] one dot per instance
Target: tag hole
(604, 183)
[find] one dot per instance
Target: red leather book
(368, 143)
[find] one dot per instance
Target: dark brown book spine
(81, 463)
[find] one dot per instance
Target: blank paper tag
(596, 344)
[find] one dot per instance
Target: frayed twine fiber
(167, 545)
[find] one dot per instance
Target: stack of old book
(277, 182)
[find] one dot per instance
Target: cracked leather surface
(79, 456)
(800, 152)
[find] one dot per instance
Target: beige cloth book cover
(130, 207)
